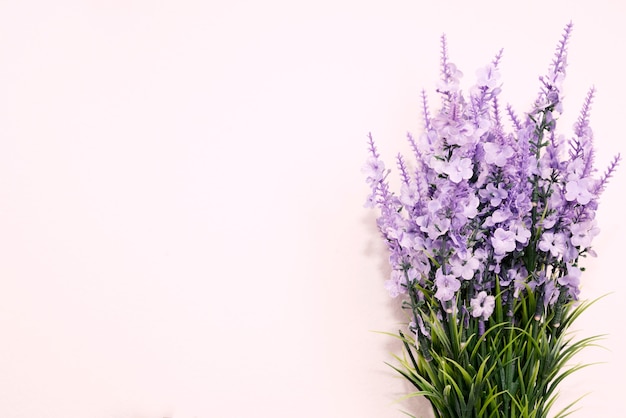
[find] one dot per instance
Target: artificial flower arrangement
(486, 237)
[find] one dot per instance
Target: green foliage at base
(512, 370)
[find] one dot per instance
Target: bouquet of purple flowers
(486, 237)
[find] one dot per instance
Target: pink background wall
(181, 221)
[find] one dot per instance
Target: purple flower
(522, 233)
(433, 226)
(497, 154)
(458, 169)
(370, 201)
(409, 195)
(498, 216)
(572, 278)
(482, 305)
(373, 169)
(579, 190)
(447, 285)
(412, 275)
(518, 276)
(450, 83)
(464, 267)
(576, 168)
(396, 283)
(554, 243)
(470, 206)
(551, 293)
(503, 241)
(487, 77)
(583, 233)
(495, 195)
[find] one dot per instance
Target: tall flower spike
(425, 111)
(416, 151)
(496, 107)
(373, 149)
(560, 56)
(581, 143)
(583, 119)
(445, 70)
(449, 84)
(496, 114)
(420, 182)
(404, 175)
(497, 58)
(514, 119)
(607, 175)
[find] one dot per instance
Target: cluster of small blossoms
(484, 211)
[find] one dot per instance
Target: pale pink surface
(181, 222)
